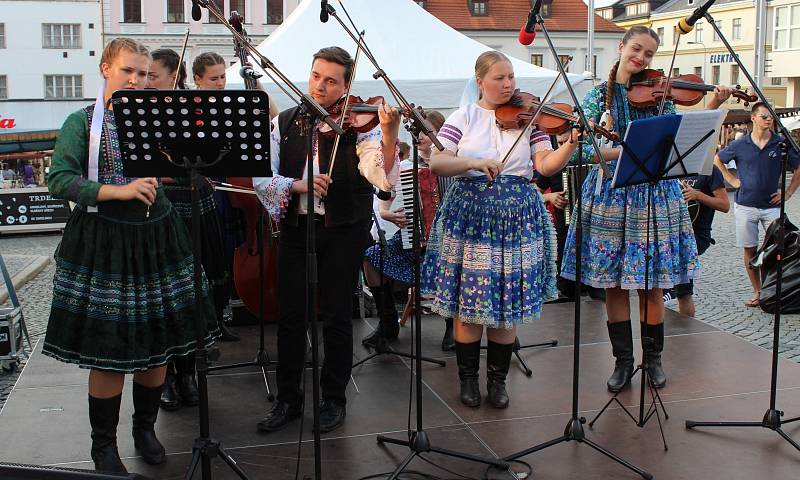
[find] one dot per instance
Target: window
(220, 4)
(545, 11)
(61, 35)
(634, 9)
(737, 28)
(691, 2)
(676, 71)
(715, 74)
(787, 28)
(63, 86)
(607, 13)
(564, 60)
(3, 86)
(480, 8)
(719, 25)
(421, 3)
(239, 6)
(132, 11)
(660, 32)
(698, 32)
(734, 75)
(175, 12)
(2, 35)
(274, 12)
(698, 71)
(594, 64)
(777, 81)
(537, 59)
(675, 35)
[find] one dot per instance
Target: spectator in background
(758, 198)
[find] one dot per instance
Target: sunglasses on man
(765, 116)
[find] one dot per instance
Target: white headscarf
(471, 93)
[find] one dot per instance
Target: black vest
(349, 198)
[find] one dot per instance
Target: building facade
(49, 56)
(496, 23)
(163, 24)
(701, 51)
(784, 59)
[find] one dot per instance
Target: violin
(554, 119)
(361, 116)
(647, 88)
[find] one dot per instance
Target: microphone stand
(310, 113)
(574, 430)
(418, 441)
(772, 417)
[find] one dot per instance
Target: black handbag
(766, 261)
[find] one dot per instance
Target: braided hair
(612, 75)
(170, 58)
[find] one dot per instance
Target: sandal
(754, 301)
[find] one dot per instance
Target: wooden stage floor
(712, 376)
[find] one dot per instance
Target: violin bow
(346, 102)
(535, 115)
(180, 60)
(669, 75)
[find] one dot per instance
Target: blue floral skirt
(398, 264)
(615, 236)
(491, 256)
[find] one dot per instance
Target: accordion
(572, 177)
(429, 202)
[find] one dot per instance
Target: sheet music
(693, 127)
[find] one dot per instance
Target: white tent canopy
(428, 61)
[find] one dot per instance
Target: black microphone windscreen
(196, 13)
(323, 12)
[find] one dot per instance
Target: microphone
(323, 13)
(247, 72)
(196, 13)
(382, 195)
(528, 32)
(686, 25)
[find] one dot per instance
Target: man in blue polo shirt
(758, 198)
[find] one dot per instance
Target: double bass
(248, 270)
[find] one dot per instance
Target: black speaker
(19, 471)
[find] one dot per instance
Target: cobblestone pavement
(723, 288)
(719, 294)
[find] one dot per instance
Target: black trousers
(340, 251)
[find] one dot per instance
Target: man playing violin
(362, 160)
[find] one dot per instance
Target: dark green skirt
(123, 293)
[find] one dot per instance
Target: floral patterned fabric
(491, 253)
(615, 240)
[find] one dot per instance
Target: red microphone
(528, 31)
(526, 37)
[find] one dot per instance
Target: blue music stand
(650, 155)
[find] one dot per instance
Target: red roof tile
(566, 15)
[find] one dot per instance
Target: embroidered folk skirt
(398, 264)
(615, 236)
(491, 256)
(213, 256)
(123, 293)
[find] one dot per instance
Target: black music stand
(772, 418)
(647, 148)
(178, 133)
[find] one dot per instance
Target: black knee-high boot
(448, 342)
(622, 346)
(388, 328)
(468, 356)
(145, 406)
(498, 359)
(104, 417)
(169, 396)
(654, 368)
